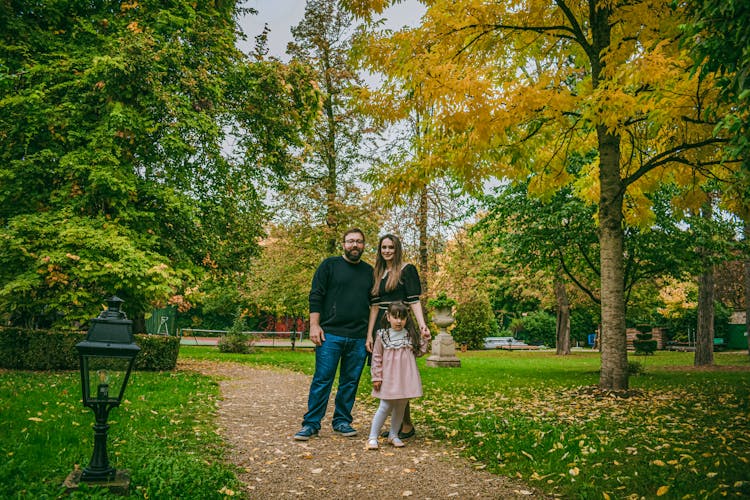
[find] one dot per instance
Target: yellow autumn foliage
(515, 88)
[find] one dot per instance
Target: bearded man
(339, 312)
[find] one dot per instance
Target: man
(339, 311)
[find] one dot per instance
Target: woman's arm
(371, 327)
(416, 308)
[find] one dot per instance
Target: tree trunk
(563, 319)
(614, 372)
(330, 157)
(704, 337)
(423, 263)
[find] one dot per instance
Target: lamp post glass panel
(107, 356)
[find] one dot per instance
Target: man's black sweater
(340, 292)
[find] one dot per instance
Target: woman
(395, 281)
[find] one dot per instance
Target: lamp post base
(119, 485)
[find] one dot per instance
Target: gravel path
(262, 409)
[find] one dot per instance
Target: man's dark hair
(353, 230)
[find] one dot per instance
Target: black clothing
(408, 291)
(340, 292)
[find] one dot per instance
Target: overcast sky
(281, 15)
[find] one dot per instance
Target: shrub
(474, 322)
(23, 349)
(236, 340)
(539, 327)
(644, 344)
(158, 352)
(441, 301)
(635, 368)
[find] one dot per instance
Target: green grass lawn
(164, 434)
(681, 434)
(532, 415)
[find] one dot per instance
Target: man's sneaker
(345, 430)
(305, 433)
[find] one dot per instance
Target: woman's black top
(408, 291)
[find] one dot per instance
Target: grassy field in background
(681, 433)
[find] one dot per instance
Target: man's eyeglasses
(354, 242)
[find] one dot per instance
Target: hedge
(24, 349)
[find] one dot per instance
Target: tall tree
(322, 40)
(719, 36)
(520, 87)
(116, 178)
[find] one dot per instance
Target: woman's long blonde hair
(394, 276)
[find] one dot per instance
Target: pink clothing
(395, 364)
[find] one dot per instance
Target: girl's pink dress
(395, 364)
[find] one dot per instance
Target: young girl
(395, 376)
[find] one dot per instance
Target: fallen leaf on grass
(662, 491)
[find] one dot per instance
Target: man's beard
(353, 257)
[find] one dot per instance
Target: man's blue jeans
(350, 354)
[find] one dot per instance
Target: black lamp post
(107, 356)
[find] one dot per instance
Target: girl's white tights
(393, 407)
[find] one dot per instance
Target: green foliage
(644, 343)
(538, 327)
(236, 340)
(158, 352)
(474, 322)
(164, 433)
(635, 368)
(23, 349)
(558, 233)
(680, 327)
(115, 120)
(442, 301)
(718, 35)
(583, 321)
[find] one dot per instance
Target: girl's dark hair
(401, 310)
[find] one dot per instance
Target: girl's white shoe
(372, 444)
(396, 442)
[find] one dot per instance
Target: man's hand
(368, 344)
(316, 335)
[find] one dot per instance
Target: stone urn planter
(443, 346)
